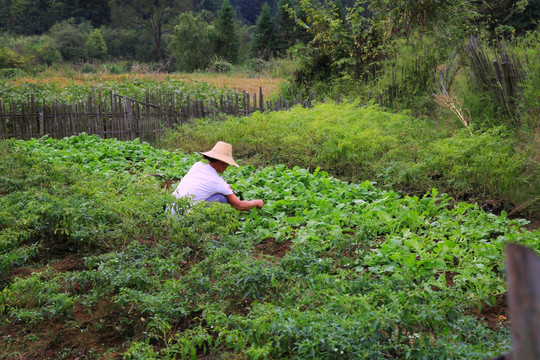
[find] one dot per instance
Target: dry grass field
(251, 85)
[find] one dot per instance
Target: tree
(520, 15)
(340, 45)
(209, 5)
(98, 12)
(248, 9)
(287, 27)
(95, 45)
(151, 15)
(29, 17)
(191, 42)
(227, 37)
(71, 39)
(265, 43)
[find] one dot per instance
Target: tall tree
(265, 42)
(227, 40)
(30, 17)
(98, 12)
(287, 25)
(210, 5)
(249, 10)
(152, 15)
(191, 42)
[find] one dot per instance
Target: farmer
(203, 183)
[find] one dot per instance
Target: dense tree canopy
(331, 36)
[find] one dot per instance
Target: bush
(47, 53)
(10, 73)
(121, 43)
(88, 68)
(95, 45)
(10, 59)
(219, 65)
(482, 163)
(71, 39)
(118, 68)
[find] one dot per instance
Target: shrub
(482, 163)
(219, 65)
(368, 143)
(47, 53)
(118, 68)
(95, 45)
(10, 59)
(71, 39)
(10, 73)
(121, 43)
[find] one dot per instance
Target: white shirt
(201, 182)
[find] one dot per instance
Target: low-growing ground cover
(93, 267)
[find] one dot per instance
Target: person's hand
(260, 203)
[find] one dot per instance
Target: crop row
(364, 273)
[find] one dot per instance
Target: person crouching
(203, 183)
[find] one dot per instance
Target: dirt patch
(533, 225)
(496, 315)
(90, 333)
(269, 246)
(69, 263)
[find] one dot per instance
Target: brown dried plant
(450, 101)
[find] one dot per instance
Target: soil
(269, 246)
(89, 334)
(496, 315)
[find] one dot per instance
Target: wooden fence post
(261, 99)
(523, 270)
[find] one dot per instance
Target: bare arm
(243, 205)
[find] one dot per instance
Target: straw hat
(221, 151)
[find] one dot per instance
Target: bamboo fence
(124, 118)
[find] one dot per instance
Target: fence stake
(524, 301)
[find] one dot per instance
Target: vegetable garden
(94, 267)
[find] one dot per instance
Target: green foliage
(30, 17)
(409, 76)
(191, 42)
(71, 39)
(38, 297)
(455, 19)
(95, 45)
(365, 273)
(9, 59)
(341, 46)
(368, 143)
(49, 92)
(227, 42)
(265, 43)
(124, 44)
(28, 52)
(342, 139)
(219, 65)
(486, 163)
